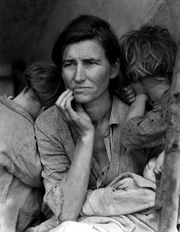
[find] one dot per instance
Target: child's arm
(138, 107)
(149, 130)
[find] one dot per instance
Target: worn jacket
(56, 143)
(149, 130)
(20, 168)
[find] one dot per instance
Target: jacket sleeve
(28, 170)
(19, 154)
(145, 132)
(55, 163)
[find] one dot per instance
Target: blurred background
(29, 28)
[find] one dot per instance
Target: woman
(80, 139)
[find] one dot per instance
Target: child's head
(45, 82)
(148, 52)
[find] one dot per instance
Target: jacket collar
(16, 108)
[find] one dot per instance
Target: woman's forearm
(76, 182)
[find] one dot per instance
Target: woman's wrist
(87, 135)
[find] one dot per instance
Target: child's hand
(127, 94)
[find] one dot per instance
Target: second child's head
(148, 52)
(43, 83)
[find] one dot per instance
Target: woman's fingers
(64, 104)
(76, 116)
(62, 98)
(69, 111)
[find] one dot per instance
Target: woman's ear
(115, 69)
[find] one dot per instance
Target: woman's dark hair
(89, 27)
(45, 81)
(148, 52)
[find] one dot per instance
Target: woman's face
(87, 71)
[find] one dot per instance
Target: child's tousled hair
(45, 81)
(149, 51)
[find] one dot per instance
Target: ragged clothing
(125, 205)
(56, 143)
(20, 169)
(149, 130)
(128, 193)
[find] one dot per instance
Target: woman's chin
(81, 99)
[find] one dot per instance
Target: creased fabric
(113, 200)
(20, 169)
(56, 144)
(149, 130)
(117, 209)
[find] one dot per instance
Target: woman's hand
(76, 117)
(80, 165)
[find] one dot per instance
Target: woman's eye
(90, 63)
(68, 65)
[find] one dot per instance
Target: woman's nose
(79, 74)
